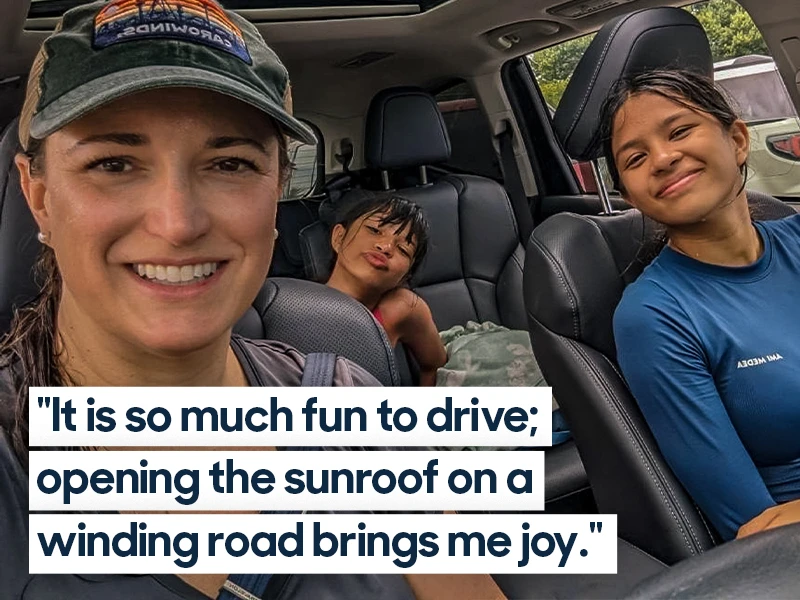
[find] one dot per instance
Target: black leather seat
(308, 316)
(576, 270)
(473, 270)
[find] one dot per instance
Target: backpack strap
(319, 369)
(318, 372)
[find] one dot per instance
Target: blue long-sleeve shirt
(712, 356)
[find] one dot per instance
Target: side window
(470, 136)
(308, 172)
(743, 68)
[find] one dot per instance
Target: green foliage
(730, 30)
(554, 66)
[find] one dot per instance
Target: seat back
(310, 317)
(315, 318)
(473, 270)
(576, 270)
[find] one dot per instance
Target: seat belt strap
(513, 184)
(319, 369)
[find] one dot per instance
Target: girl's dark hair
(30, 350)
(692, 89)
(394, 210)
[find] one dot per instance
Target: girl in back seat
(379, 243)
(707, 336)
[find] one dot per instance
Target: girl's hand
(774, 516)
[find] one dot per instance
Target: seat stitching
(461, 241)
(658, 468)
(593, 78)
(628, 428)
(561, 277)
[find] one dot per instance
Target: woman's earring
(276, 233)
(42, 237)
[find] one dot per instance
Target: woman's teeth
(171, 274)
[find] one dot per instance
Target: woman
(153, 173)
(707, 337)
(379, 243)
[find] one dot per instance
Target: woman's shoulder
(271, 363)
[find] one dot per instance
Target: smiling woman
(155, 207)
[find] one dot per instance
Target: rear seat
(473, 270)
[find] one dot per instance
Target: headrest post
(385, 180)
(423, 175)
(601, 189)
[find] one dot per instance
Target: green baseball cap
(103, 51)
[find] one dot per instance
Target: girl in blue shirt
(707, 337)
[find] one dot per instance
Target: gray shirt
(265, 364)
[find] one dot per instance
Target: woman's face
(675, 164)
(377, 255)
(160, 208)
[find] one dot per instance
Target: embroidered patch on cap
(199, 21)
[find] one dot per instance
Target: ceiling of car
(352, 49)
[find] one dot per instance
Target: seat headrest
(19, 248)
(656, 38)
(405, 128)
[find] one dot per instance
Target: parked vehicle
(756, 86)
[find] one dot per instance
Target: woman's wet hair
(393, 210)
(686, 87)
(31, 348)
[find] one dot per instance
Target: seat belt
(513, 184)
(319, 369)
(318, 372)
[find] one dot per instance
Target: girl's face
(676, 165)
(160, 208)
(374, 254)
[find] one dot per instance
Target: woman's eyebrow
(123, 139)
(218, 143)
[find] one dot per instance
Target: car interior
(437, 100)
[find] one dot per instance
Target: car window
(754, 84)
(307, 174)
(743, 69)
(470, 136)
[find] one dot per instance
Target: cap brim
(94, 94)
